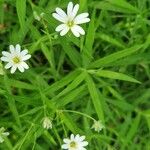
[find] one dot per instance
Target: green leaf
(70, 97)
(11, 101)
(109, 39)
(1, 11)
(48, 54)
(21, 84)
(115, 56)
(21, 12)
(123, 105)
(124, 5)
(72, 53)
(26, 100)
(88, 48)
(114, 75)
(132, 130)
(32, 111)
(63, 82)
(71, 125)
(146, 114)
(95, 97)
(71, 86)
(116, 5)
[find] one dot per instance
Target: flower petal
(6, 59)
(9, 65)
(13, 69)
(26, 57)
(81, 21)
(18, 48)
(11, 48)
(61, 13)
(84, 143)
(60, 27)
(25, 65)
(79, 29)
(65, 146)
(75, 32)
(1, 140)
(7, 54)
(77, 137)
(81, 16)
(75, 10)
(82, 138)
(66, 141)
(64, 31)
(59, 18)
(21, 68)
(24, 52)
(72, 137)
(69, 8)
(5, 133)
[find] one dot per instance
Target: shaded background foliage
(98, 75)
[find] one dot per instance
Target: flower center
(73, 144)
(70, 23)
(16, 60)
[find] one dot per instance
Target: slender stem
(25, 136)
(80, 113)
(34, 142)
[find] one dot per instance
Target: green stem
(25, 136)
(80, 113)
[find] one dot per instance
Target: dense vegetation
(103, 75)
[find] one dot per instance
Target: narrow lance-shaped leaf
(132, 131)
(63, 82)
(72, 53)
(88, 48)
(95, 97)
(1, 11)
(124, 5)
(115, 56)
(71, 125)
(21, 12)
(70, 97)
(109, 39)
(114, 75)
(116, 5)
(72, 85)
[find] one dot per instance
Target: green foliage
(104, 75)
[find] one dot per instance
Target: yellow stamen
(70, 23)
(73, 144)
(16, 60)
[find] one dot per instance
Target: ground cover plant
(74, 79)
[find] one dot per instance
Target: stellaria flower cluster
(16, 59)
(70, 20)
(75, 142)
(3, 134)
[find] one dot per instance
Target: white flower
(3, 134)
(16, 58)
(75, 143)
(98, 126)
(71, 20)
(47, 123)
